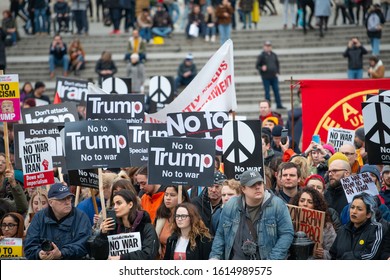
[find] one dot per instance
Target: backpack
(373, 21)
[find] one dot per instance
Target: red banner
(334, 103)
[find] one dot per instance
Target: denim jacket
(274, 230)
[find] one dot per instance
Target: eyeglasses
(181, 217)
(336, 170)
(10, 226)
(348, 154)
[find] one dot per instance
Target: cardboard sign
(139, 140)
(114, 85)
(72, 89)
(160, 92)
(123, 243)
(376, 112)
(340, 136)
(358, 183)
(129, 107)
(84, 178)
(37, 163)
(56, 113)
(96, 144)
(23, 132)
(198, 125)
(11, 248)
(242, 148)
(309, 221)
(181, 161)
(9, 98)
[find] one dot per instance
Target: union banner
(334, 103)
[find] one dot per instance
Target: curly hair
(319, 202)
(198, 227)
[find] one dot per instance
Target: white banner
(123, 243)
(213, 89)
(357, 184)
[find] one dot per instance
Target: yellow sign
(11, 248)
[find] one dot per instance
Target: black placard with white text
(242, 148)
(129, 107)
(181, 161)
(139, 140)
(84, 178)
(198, 125)
(96, 144)
(54, 113)
(69, 89)
(24, 132)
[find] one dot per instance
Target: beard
(334, 184)
(357, 144)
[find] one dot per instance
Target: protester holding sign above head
(130, 219)
(359, 239)
(60, 231)
(153, 195)
(210, 199)
(165, 215)
(256, 208)
(191, 239)
(312, 199)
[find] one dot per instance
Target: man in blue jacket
(60, 231)
(256, 225)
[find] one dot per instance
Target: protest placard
(37, 163)
(161, 92)
(9, 98)
(377, 128)
(69, 89)
(54, 113)
(129, 107)
(358, 183)
(139, 140)
(11, 247)
(198, 125)
(96, 144)
(24, 132)
(181, 161)
(340, 136)
(242, 148)
(123, 243)
(84, 178)
(309, 221)
(115, 85)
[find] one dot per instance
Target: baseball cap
(250, 177)
(189, 56)
(371, 169)
(385, 168)
(277, 130)
(219, 177)
(59, 191)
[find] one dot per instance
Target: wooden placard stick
(180, 197)
(76, 201)
(100, 174)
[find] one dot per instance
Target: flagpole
(292, 111)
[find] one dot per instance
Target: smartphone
(111, 214)
(284, 136)
(316, 138)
